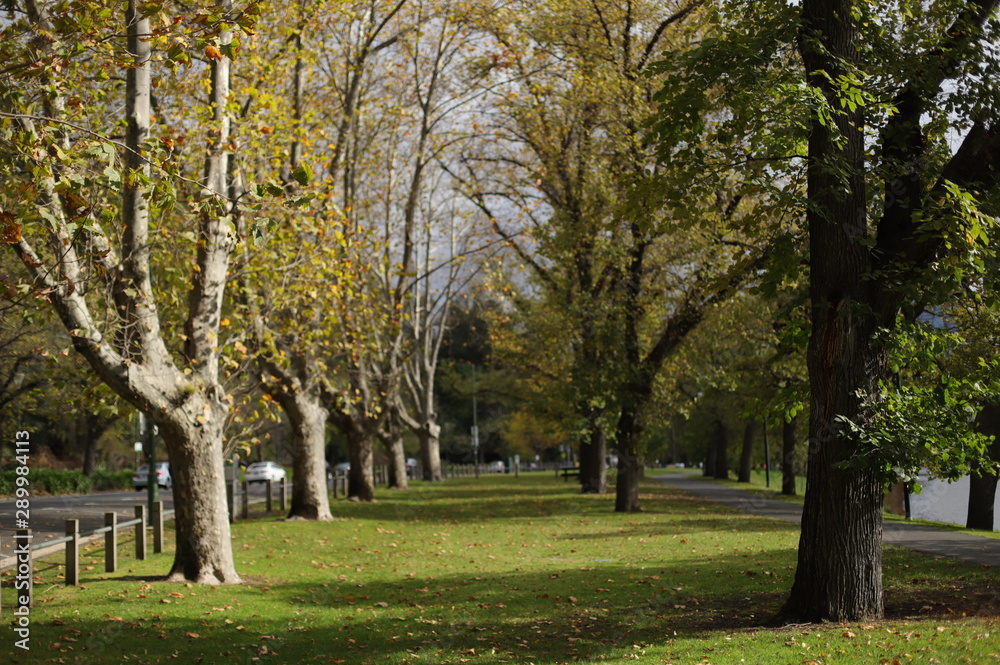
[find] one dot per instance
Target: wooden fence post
(73, 552)
(231, 499)
(157, 520)
(245, 506)
(22, 546)
(283, 486)
(111, 543)
(140, 533)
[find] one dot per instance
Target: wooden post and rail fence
(238, 500)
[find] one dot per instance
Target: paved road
(977, 549)
(48, 514)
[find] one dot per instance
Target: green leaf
(303, 174)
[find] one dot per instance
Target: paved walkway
(941, 542)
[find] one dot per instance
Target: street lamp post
(475, 424)
(149, 439)
(767, 458)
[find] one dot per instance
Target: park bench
(570, 471)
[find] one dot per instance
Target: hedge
(48, 481)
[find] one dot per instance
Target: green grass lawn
(503, 570)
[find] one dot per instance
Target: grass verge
(503, 570)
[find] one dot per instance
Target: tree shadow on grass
(542, 617)
(607, 610)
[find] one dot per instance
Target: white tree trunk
(204, 548)
(430, 450)
(308, 416)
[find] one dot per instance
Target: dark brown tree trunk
(720, 438)
(789, 438)
(627, 487)
(982, 499)
(710, 451)
(593, 465)
(361, 477)
(983, 483)
(91, 427)
(839, 574)
(746, 456)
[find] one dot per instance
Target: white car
(259, 472)
(140, 479)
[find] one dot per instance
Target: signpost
(149, 431)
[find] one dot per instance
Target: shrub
(104, 479)
(47, 481)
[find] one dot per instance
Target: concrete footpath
(940, 542)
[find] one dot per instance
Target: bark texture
(308, 417)
(627, 488)
(204, 552)
(839, 574)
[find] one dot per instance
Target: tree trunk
(629, 459)
(90, 426)
(746, 457)
(983, 483)
(720, 438)
(789, 438)
(593, 464)
(308, 418)
(709, 469)
(627, 488)
(982, 499)
(397, 461)
(89, 456)
(430, 450)
(203, 540)
(839, 574)
(361, 477)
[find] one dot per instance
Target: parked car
(259, 472)
(140, 479)
(343, 466)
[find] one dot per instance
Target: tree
(566, 187)
(864, 267)
(894, 220)
(59, 201)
